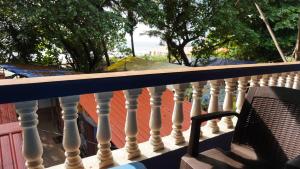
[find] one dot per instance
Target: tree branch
(271, 32)
(297, 48)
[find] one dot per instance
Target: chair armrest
(195, 129)
(293, 163)
(205, 117)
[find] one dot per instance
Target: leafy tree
(19, 38)
(82, 30)
(297, 48)
(129, 10)
(85, 29)
(238, 27)
(179, 22)
(226, 24)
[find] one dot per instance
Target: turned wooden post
(177, 116)
(282, 80)
(264, 80)
(103, 130)
(254, 82)
(242, 88)
(214, 104)
(290, 80)
(230, 85)
(71, 138)
(32, 148)
(273, 80)
(155, 117)
(131, 130)
(296, 84)
(197, 95)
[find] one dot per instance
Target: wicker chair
(267, 134)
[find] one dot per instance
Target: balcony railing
(26, 92)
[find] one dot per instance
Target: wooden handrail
(14, 90)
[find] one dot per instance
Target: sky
(143, 43)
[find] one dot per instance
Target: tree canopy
(239, 29)
(84, 32)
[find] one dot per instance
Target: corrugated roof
(118, 115)
(35, 71)
(11, 146)
(8, 113)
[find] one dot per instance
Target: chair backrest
(270, 123)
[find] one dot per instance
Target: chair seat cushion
(240, 157)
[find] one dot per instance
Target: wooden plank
(6, 153)
(14, 90)
(10, 128)
(17, 141)
(13, 150)
(1, 158)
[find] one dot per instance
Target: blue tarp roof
(34, 71)
(221, 61)
(214, 61)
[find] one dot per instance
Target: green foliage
(39, 31)
(48, 55)
(82, 28)
(18, 37)
(85, 30)
(178, 22)
(238, 28)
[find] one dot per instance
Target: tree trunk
(106, 54)
(262, 15)
(172, 50)
(23, 57)
(132, 43)
(132, 23)
(183, 56)
(297, 49)
(169, 52)
(169, 57)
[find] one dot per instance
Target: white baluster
(281, 80)
(103, 130)
(214, 104)
(71, 138)
(254, 82)
(264, 80)
(230, 85)
(155, 117)
(197, 95)
(177, 116)
(273, 80)
(131, 129)
(296, 84)
(242, 88)
(32, 148)
(289, 80)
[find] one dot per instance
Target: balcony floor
(171, 160)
